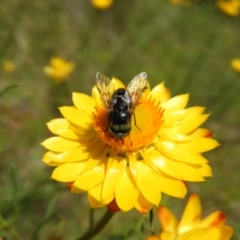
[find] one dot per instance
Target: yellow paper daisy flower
(59, 69)
(8, 66)
(192, 226)
(163, 150)
(229, 7)
(102, 4)
(235, 63)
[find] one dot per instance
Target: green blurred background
(190, 48)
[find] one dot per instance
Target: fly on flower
(120, 103)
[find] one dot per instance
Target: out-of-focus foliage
(190, 48)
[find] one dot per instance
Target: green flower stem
(98, 227)
(91, 218)
(151, 215)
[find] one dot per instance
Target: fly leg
(130, 139)
(135, 122)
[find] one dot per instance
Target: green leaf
(48, 216)
(4, 91)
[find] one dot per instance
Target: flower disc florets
(145, 124)
(162, 151)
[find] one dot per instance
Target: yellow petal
(96, 96)
(193, 112)
(85, 135)
(94, 203)
(58, 144)
(174, 118)
(215, 219)
(191, 124)
(176, 103)
(133, 164)
(201, 234)
(57, 125)
(97, 156)
(175, 169)
(201, 145)
(146, 181)
(201, 132)
(68, 172)
(180, 153)
(147, 89)
(205, 170)
(114, 173)
(117, 83)
(168, 236)
(159, 163)
(160, 93)
(171, 134)
(77, 117)
(84, 102)
(142, 204)
(167, 220)
(192, 213)
(78, 154)
(171, 186)
(61, 127)
(126, 191)
(226, 233)
(164, 170)
(89, 179)
(47, 158)
(95, 195)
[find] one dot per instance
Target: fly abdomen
(119, 123)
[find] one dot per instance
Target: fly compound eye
(124, 129)
(120, 130)
(114, 129)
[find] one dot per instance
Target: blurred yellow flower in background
(229, 7)
(235, 63)
(162, 152)
(192, 226)
(59, 69)
(8, 66)
(102, 4)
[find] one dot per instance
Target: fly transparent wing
(136, 87)
(105, 88)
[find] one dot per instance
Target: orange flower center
(144, 125)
